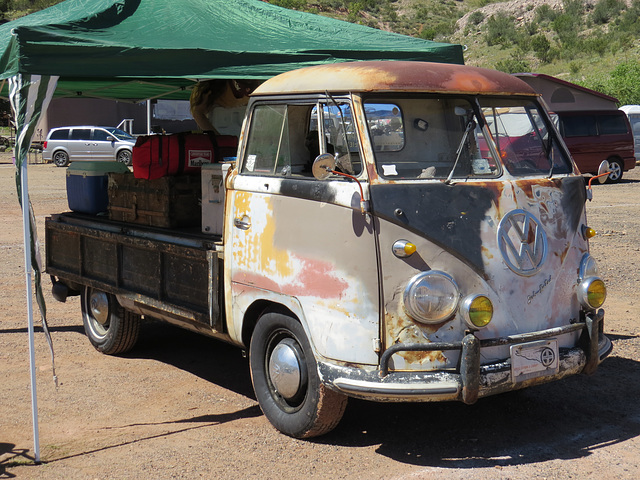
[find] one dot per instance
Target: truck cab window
(334, 127)
(268, 144)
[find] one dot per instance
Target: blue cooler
(87, 185)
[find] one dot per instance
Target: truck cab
(397, 231)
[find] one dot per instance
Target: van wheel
(124, 156)
(616, 168)
(110, 328)
(285, 380)
(60, 159)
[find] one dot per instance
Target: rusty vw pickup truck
(392, 231)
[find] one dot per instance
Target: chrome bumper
(471, 380)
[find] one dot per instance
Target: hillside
(591, 42)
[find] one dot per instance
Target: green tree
(501, 30)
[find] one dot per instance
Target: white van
(633, 112)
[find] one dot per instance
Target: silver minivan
(87, 143)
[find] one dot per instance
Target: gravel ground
(181, 405)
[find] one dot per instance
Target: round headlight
(588, 267)
(592, 293)
(431, 297)
(477, 311)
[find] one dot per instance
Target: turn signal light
(403, 248)
(588, 232)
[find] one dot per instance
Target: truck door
(298, 241)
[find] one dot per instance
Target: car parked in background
(633, 114)
(87, 143)
(596, 135)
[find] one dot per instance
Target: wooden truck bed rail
(176, 275)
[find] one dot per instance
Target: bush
(607, 10)
(476, 17)
(515, 64)
(501, 30)
(545, 14)
(541, 46)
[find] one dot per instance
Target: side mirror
(602, 169)
(323, 166)
(603, 173)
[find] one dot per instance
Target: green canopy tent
(136, 50)
(140, 49)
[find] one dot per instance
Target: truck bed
(168, 274)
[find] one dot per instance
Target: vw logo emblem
(522, 242)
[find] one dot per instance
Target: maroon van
(596, 135)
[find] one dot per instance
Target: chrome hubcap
(99, 305)
(285, 369)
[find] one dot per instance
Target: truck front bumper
(471, 380)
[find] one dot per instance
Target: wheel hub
(285, 369)
(99, 305)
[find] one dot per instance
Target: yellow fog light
(403, 248)
(592, 293)
(477, 311)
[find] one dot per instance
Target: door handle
(243, 223)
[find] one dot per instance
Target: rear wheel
(616, 168)
(124, 156)
(285, 380)
(110, 328)
(60, 159)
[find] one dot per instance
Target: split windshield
(452, 138)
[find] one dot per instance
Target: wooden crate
(170, 202)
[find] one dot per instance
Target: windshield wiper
(471, 124)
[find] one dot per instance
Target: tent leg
(28, 269)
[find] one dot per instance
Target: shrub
(500, 30)
(607, 10)
(515, 64)
(476, 17)
(541, 47)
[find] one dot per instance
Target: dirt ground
(181, 405)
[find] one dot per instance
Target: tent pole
(28, 274)
(148, 117)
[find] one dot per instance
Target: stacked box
(87, 185)
(168, 202)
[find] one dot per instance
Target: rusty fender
(471, 380)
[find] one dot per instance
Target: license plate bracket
(534, 359)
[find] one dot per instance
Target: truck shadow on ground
(562, 420)
(210, 359)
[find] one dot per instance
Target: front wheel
(110, 328)
(124, 156)
(615, 168)
(285, 380)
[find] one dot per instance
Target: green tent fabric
(140, 49)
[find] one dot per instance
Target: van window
(419, 137)
(579, 126)
(284, 140)
(81, 134)
(524, 140)
(386, 127)
(100, 135)
(612, 125)
(59, 134)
